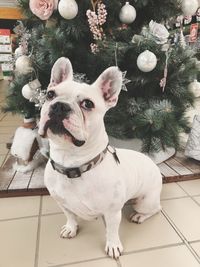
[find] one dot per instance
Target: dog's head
(73, 111)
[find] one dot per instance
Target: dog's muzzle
(60, 110)
(57, 113)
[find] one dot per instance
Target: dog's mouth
(57, 128)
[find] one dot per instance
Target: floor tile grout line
(193, 242)
(184, 190)
(153, 248)
(196, 256)
(30, 216)
(124, 254)
(83, 261)
(193, 198)
(173, 225)
(173, 198)
(190, 196)
(18, 218)
(38, 234)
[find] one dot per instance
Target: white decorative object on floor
(136, 144)
(28, 148)
(193, 144)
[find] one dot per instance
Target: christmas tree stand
(136, 144)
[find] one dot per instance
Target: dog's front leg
(70, 229)
(113, 244)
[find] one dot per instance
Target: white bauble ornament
(195, 88)
(18, 52)
(23, 64)
(146, 61)
(189, 7)
(127, 14)
(27, 92)
(68, 9)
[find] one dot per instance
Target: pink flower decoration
(43, 9)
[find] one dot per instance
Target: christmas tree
(141, 37)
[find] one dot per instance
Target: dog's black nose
(59, 109)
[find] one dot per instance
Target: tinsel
(96, 20)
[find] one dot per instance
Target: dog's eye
(87, 104)
(50, 95)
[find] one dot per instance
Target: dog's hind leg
(146, 207)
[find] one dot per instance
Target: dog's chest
(87, 197)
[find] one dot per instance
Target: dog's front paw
(68, 231)
(114, 250)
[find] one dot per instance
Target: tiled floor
(29, 229)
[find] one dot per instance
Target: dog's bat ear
(61, 71)
(110, 83)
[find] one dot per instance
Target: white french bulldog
(85, 175)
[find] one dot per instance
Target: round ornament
(189, 7)
(27, 92)
(68, 9)
(127, 14)
(194, 87)
(18, 52)
(23, 64)
(146, 61)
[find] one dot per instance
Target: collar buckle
(73, 172)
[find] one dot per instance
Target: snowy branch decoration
(96, 20)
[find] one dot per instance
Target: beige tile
(96, 263)
(49, 205)
(166, 257)
(191, 187)
(185, 213)
(18, 242)
(196, 247)
(88, 244)
(16, 207)
(3, 149)
(197, 199)
(141, 236)
(172, 190)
